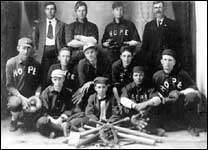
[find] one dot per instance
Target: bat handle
(97, 122)
(88, 140)
(122, 120)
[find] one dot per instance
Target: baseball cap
(102, 80)
(138, 69)
(25, 42)
(169, 52)
(57, 73)
(89, 45)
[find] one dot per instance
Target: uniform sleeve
(124, 92)
(115, 111)
(10, 85)
(115, 76)
(135, 34)
(90, 109)
(81, 73)
(105, 35)
(187, 81)
(44, 96)
(95, 32)
(69, 33)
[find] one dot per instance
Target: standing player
(22, 81)
(80, 32)
(118, 33)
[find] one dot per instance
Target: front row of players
(172, 98)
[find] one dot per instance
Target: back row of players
(82, 64)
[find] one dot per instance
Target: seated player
(70, 78)
(57, 107)
(23, 81)
(137, 100)
(122, 72)
(92, 66)
(178, 93)
(102, 105)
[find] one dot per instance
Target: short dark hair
(78, 4)
(65, 49)
(117, 4)
(126, 48)
(50, 3)
(156, 2)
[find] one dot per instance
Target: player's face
(158, 10)
(168, 62)
(90, 54)
(101, 89)
(138, 77)
(24, 52)
(126, 58)
(118, 12)
(64, 57)
(50, 11)
(57, 83)
(81, 12)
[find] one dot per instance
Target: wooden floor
(27, 140)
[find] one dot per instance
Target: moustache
(159, 12)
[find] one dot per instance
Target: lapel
(57, 28)
(43, 30)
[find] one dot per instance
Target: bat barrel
(89, 140)
(91, 131)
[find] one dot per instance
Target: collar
(52, 20)
(121, 20)
(101, 98)
(85, 20)
(19, 61)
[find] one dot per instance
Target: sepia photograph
(104, 74)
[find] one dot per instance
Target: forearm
(132, 43)
(75, 43)
(87, 39)
(126, 102)
(189, 90)
(38, 91)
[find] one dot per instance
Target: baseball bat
(89, 140)
(91, 131)
(138, 133)
(117, 122)
(137, 139)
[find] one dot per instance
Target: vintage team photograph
(104, 74)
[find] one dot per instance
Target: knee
(192, 98)
(42, 122)
(14, 103)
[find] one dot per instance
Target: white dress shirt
(48, 41)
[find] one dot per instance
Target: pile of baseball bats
(92, 135)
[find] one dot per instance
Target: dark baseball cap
(117, 4)
(169, 52)
(101, 80)
(138, 69)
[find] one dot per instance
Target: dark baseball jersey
(22, 76)
(77, 28)
(164, 83)
(121, 76)
(55, 103)
(70, 78)
(87, 72)
(121, 32)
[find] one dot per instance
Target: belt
(50, 46)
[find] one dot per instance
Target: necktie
(102, 110)
(50, 31)
(159, 23)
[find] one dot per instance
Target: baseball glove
(108, 135)
(173, 96)
(34, 104)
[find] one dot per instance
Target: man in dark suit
(159, 34)
(49, 37)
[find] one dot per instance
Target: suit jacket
(39, 37)
(155, 39)
(93, 107)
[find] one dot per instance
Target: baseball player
(57, 107)
(92, 66)
(101, 105)
(137, 99)
(122, 72)
(64, 58)
(119, 32)
(178, 92)
(22, 82)
(80, 32)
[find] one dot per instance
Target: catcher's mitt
(34, 104)
(108, 135)
(173, 96)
